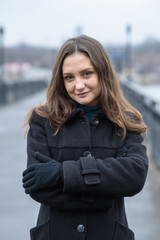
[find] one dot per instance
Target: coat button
(80, 228)
(94, 121)
(82, 121)
(87, 154)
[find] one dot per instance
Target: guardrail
(150, 111)
(18, 90)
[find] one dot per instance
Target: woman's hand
(47, 173)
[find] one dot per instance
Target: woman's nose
(79, 85)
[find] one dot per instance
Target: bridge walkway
(18, 212)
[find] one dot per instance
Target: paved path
(18, 213)
(143, 210)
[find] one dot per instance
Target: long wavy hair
(59, 105)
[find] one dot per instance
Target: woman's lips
(82, 94)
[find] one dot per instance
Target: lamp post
(128, 52)
(1, 54)
(78, 30)
(2, 83)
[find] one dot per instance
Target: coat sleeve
(57, 198)
(113, 177)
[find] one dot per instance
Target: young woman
(85, 151)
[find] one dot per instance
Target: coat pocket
(123, 233)
(40, 232)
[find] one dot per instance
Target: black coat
(90, 205)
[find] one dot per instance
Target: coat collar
(81, 113)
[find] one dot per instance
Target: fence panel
(150, 111)
(19, 90)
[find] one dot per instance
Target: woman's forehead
(76, 61)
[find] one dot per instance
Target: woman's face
(81, 80)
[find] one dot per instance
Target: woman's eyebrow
(67, 73)
(84, 70)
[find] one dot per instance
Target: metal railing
(150, 111)
(19, 90)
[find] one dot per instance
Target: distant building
(15, 72)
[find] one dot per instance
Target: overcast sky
(50, 22)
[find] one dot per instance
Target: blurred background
(31, 33)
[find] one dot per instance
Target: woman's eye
(87, 74)
(68, 77)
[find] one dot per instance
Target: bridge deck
(18, 213)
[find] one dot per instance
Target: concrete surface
(18, 213)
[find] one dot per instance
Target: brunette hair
(59, 105)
